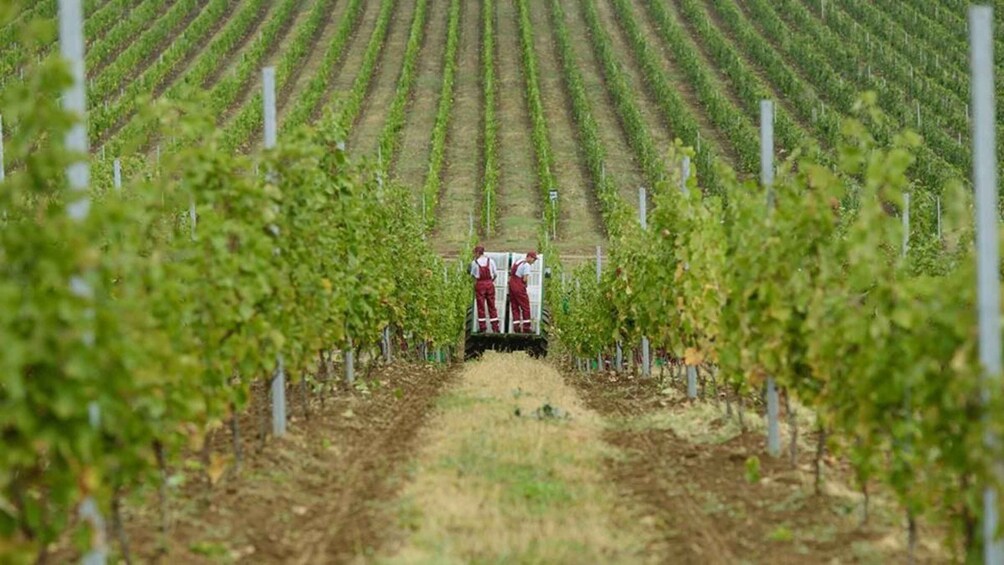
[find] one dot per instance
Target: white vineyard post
(599, 263)
(117, 175)
(599, 273)
(767, 178)
(269, 138)
(988, 278)
(646, 368)
(279, 398)
(387, 354)
(906, 223)
(71, 48)
(691, 369)
(2, 173)
(917, 104)
(350, 364)
(193, 218)
(554, 219)
(938, 206)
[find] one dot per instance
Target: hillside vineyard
(208, 205)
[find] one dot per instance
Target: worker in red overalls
(519, 300)
(483, 270)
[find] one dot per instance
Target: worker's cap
(479, 250)
(531, 255)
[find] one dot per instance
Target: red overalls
(519, 302)
(484, 293)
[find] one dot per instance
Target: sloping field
(651, 72)
(165, 317)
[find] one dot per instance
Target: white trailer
(509, 340)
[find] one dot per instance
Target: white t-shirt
(481, 262)
(523, 270)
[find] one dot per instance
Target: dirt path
(511, 471)
(716, 497)
(315, 496)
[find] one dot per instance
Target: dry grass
(491, 486)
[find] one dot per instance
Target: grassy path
(491, 486)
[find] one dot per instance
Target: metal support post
(767, 178)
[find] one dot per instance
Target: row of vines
(199, 273)
(873, 333)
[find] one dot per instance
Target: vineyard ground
(686, 465)
(430, 465)
(314, 496)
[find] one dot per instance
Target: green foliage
(181, 316)
(665, 93)
(245, 123)
(490, 158)
(809, 284)
(752, 466)
(622, 95)
(541, 143)
(615, 212)
(437, 154)
(349, 108)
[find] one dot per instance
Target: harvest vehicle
(535, 342)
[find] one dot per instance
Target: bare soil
(706, 509)
(315, 496)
